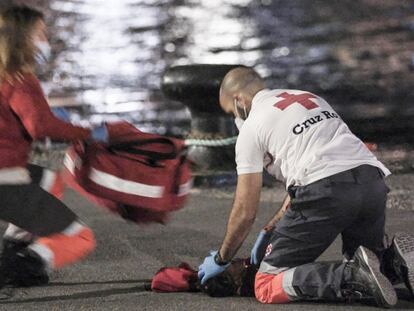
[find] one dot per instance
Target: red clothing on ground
(175, 279)
(25, 116)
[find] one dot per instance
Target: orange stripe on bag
(69, 249)
(269, 288)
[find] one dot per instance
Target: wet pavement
(127, 256)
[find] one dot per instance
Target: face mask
(43, 53)
(239, 123)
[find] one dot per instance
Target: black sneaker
(363, 279)
(10, 247)
(403, 261)
(23, 268)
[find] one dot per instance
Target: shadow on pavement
(145, 281)
(83, 295)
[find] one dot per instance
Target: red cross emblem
(289, 99)
(268, 250)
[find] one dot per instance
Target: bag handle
(132, 147)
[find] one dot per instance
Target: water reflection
(115, 52)
(111, 54)
(112, 58)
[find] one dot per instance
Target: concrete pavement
(127, 256)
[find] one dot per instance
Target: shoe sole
(404, 249)
(368, 260)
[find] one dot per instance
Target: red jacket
(25, 116)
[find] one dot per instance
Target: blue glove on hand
(100, 134)
(259, 247)
(61, 113)
(209, 269)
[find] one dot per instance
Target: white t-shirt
(298, 138)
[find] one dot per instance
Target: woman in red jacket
(25, 116)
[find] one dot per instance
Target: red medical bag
(136, 170)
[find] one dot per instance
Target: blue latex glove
(259, 247)
(209, 269)
(61, 113)
(100, 134)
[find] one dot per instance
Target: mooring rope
(51, 154)
(220, 142)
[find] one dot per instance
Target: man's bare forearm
(242, 215)
(279, 214)
(238, 228)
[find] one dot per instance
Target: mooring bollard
(213, 133)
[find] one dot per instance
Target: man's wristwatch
(218, 260)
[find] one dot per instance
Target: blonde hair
(17, 51)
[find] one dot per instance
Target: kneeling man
(335, 186)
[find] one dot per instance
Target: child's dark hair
(222, 285)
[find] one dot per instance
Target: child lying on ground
(236, 280)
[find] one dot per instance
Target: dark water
(109, 55)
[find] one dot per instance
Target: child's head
(21, 29)
(238, 279)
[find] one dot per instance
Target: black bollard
(197, 87)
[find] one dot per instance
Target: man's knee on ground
(269, 288)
